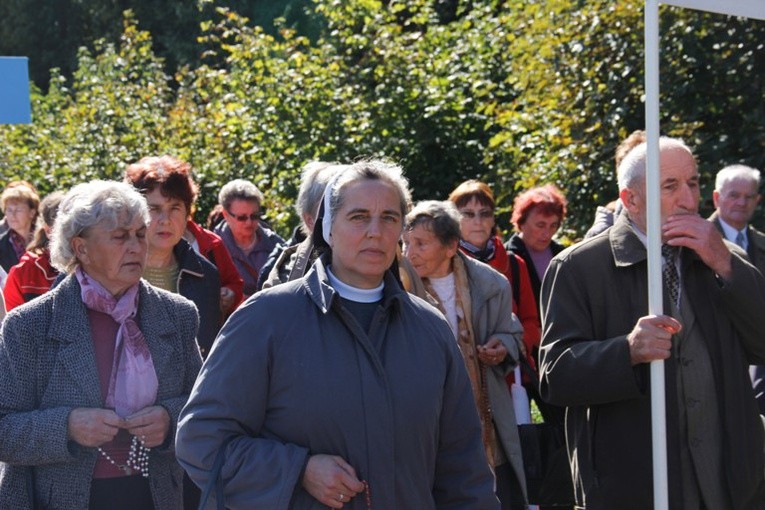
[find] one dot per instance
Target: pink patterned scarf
(133, 383)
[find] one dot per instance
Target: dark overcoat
(592, 297)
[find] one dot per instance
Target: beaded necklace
(367, 494)
(138, 458)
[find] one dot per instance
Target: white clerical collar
(731, 232)
(354, 293)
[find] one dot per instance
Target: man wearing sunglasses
(248, 241)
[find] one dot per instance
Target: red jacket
(212, 248)
(31, 277)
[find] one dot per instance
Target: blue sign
(14, 91)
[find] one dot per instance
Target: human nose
(161, 215)
(375, 228)
(136, 244)
(687, 199)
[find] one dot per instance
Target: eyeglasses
(483, 214)
(244, 217)
(14, 210)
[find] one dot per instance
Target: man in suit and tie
(598, 339)
(736, 195)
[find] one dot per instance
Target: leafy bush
(515, 92)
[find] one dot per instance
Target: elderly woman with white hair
(94, 373)
(340, 389)
(476, 301)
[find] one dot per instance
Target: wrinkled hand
(226, 299)
(651, 339)
(150, 425)
(492, 352)
(327, 477)
(92, 427)
(701, 236)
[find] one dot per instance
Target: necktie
(669, 271)
(740, 240)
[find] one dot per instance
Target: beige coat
(491, 313)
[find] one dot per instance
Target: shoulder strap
(515, 274)
(215, 482)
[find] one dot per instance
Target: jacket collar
(42, 262)
(70, 327)
(628, 249)
(479, 285)
(626, 246)
(756, 238)
(188, 261)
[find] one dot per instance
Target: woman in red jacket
(34, 275)
(475, 202)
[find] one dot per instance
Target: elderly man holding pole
(598, 340)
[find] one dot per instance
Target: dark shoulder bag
(545, 459)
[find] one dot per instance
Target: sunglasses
(244, 217)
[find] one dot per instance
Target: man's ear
(627, 196)
(715, 198)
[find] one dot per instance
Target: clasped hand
(92, 427)
(492, 352)
(331, 480)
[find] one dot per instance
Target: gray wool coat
(48, 368)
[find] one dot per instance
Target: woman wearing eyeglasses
(247, 240)
(19, 204)
(475, 203)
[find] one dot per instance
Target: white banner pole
(653, 221)
(746, 8)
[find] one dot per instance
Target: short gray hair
(106, 203)
(371, 170)
(631, 170)
(736, 173)
(313, 180)
(440, 217)
(239, 189)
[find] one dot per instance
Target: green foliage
(51, 32)
(516, 92)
